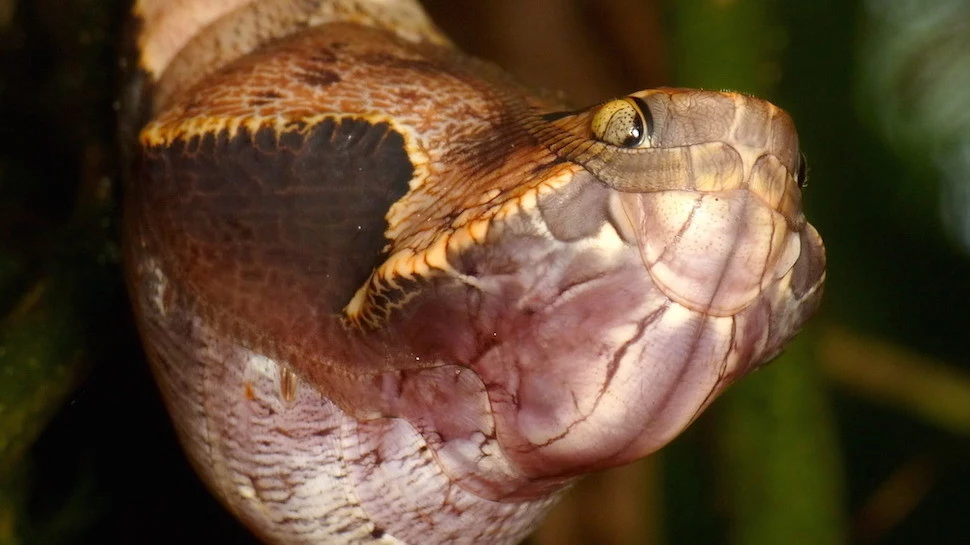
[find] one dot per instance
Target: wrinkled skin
(381, 285)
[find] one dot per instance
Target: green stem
(781, 464)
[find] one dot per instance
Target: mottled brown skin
(390, 296)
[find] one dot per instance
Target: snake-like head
(708, 186)
(693, 264)
(376, 275)
(619, 267)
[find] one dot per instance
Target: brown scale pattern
(537, 303)
(463, 148)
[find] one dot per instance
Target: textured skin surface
(295, 468)
(189, 39)
(390, 296)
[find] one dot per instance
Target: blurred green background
(859, 433)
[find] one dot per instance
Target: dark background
(858, 434)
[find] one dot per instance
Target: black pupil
(644, 125)
(635, 134)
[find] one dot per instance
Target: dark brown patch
(263, 98)
(318, 78)
(556, 116)
(276, 231)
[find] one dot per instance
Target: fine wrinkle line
(535, 298)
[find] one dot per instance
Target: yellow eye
(623, 122)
